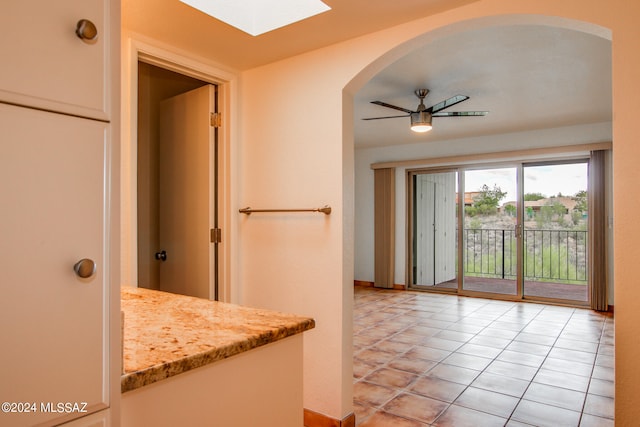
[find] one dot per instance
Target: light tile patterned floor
(423, 359)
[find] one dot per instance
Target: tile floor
(423, 359)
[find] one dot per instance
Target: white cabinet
(58, 206)
(100, 419)
(46, 65)
(52, 170)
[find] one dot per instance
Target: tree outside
(487, 201)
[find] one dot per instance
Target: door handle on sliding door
(518, 230)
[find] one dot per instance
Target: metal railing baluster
(541, 246)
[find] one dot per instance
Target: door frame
(136, 48)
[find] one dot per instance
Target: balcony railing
(549, 255)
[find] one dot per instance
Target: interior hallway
(424, 359)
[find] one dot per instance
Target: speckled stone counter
(167, 334)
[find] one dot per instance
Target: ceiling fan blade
(447, 103)
(386, 117)
(384, 104)
(460, 113)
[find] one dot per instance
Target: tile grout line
(418, 376)
(540, 367)
(438, 363)
(512, 340)
(386, 364)
(593, 368)
(466, 316)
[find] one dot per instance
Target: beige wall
(295, 149)
(292, 154)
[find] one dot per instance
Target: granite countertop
(166, 334)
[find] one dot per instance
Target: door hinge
(216, 235)
(216, 120)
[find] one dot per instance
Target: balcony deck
(562, 291)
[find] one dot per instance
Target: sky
(549, 180)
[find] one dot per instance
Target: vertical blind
(597, 232)
(384, 226)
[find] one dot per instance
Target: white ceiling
(527, 77)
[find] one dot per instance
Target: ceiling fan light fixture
(421, 121)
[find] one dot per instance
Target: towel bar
(325, 210)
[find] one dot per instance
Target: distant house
(535, 205)
(469, 197)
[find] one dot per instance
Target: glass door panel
(434, 262)
(489, 236)
(556, 231)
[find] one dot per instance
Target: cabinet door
(46, 65)
(99, 419)
(53, 192)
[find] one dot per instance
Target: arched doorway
(499, 88)
(362, 189)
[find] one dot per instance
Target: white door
(185, 204)
(53, 170)
(445, 228)
(425, 215)
(435, 234)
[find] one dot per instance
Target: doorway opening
(511, 231)
(177, 183)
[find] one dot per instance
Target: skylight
(259, 16)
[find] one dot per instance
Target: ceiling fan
(421, 117)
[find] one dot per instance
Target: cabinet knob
(87, 31)
(85, 268)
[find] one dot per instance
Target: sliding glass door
(513, 231)
(556, 231)
(490, 252)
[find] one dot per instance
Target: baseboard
(314, 419)
(366, 284)
(362, 283)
